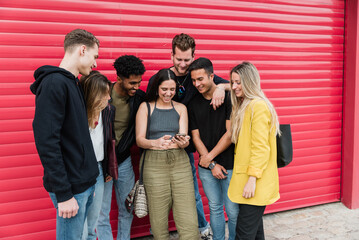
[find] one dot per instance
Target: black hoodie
(62, 134)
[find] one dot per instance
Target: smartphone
(180, 134)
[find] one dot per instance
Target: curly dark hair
(128, 65)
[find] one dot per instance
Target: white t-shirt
(97, 139)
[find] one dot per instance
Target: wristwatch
(212, 164)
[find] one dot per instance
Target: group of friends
(231, 124)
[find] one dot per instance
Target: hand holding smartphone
(181, 135)
(181, 139)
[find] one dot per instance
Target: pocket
(241, 169)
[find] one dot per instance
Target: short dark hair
(201, 63)
(128, 65)
(161, 76)
(80, 36)
(183, 42)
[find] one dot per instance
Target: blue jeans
(95, 207)
(72, 228)
(202, 222)
(123, 186)
(216, 192)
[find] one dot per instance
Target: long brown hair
(95, 86)
(161, 76)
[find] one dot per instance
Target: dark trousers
(250, 222)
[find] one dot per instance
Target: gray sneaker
(206, 234)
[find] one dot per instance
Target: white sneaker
(206, 234)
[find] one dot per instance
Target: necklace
(181, 88)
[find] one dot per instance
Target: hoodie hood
(46, 70)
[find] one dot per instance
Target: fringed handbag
(140, 199)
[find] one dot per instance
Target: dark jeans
(250, 222)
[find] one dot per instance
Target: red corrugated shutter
(296, 45)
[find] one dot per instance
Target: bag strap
(147, 130)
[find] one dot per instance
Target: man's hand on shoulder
(68, 209)
(218, 97)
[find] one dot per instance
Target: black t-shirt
(189, 90)
(212, 125)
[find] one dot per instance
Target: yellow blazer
(255, 155)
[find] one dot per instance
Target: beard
(179, 70)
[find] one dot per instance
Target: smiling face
(202, 81)
(181, 61)
(166, 91)
(129, 86)
(88, 56)
(236, 85)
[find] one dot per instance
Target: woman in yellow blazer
(254, 125)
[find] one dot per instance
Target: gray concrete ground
(331, 221)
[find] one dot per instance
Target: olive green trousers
(168, 181)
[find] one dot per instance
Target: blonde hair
(250, 82)
(95, 86)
